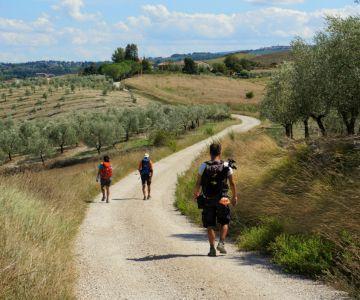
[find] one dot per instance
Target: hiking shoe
(221, 247)
(144, 198)
(102, 199)
(107, 201)
(149, 197)
(212, 252)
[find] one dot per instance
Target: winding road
(135, 249)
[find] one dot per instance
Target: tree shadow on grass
(165, 256)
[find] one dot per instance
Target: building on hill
(44, 75)
(178, 65)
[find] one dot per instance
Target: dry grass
(187, 89)
(40, 213)
(34, 106)
(311, 189)
(238, 55)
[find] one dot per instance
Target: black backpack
(145, 166)
(214, 180)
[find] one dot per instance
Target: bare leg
(149, 190)
(144, 190)
(211, 236)
(103, 193)
(223, 232)
(107, 193)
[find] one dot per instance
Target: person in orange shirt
(146, 171)
(104, 175)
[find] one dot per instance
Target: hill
(40, 98)
(187, 89)
(30, 69)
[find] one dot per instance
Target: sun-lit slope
(46, 101)
(188, 89)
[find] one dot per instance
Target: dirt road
(135, 249)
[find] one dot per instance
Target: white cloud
(275, 2)
(73, 8)
(159, 23)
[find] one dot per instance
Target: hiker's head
(106, 158)
(215, 150)
(146, 155)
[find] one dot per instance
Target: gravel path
(135, 249)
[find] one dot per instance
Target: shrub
(209, 130)
(104, 92)
(249, 95)
(232, 135)
(259, 238)
(309, 255)
(161, 138)
(172, 145)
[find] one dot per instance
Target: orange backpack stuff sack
(106, 170)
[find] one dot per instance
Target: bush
(259, 238)
(161, 138)
(249, 95)
(209, 130)
(172, 145)
(308, 255)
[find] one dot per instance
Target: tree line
(322, 83)
(99, 130)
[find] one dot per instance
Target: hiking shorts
(214, 214)
(145, 179)
(105, 182)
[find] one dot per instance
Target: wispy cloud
(275, 2)
(74, 9)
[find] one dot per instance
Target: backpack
(106, 170)
(214, 180)
(145, 166)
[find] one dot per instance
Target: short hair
(215, 149)
(106, 158)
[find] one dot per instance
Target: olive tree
(9, 141)
(99, 133)
(341, 44)
(63, 133)
(279, 104)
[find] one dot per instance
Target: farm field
(46, 98)
(201, 89)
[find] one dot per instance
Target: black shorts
(215, 213)
(145, 179)
(105, 182)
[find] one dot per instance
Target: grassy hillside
(268, 60)
(187, 89)
(238, 55)
(43, 98)
(299, 203)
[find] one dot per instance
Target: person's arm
(98, 174)
(151, 168)
(140, 167)
(197, 189)
(234, 198)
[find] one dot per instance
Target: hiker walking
(211, 192)
(104, 175)
(146, 172)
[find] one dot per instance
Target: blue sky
(91, 29)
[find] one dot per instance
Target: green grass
(258, 238)
(309, 255)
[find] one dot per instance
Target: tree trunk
(349, 123)
(306, 128)
(10, 157)
(320, 124)
(288, 130)
(61, 149)
(127, 136)
(291, 131)
(42, 159)
(98, 149)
